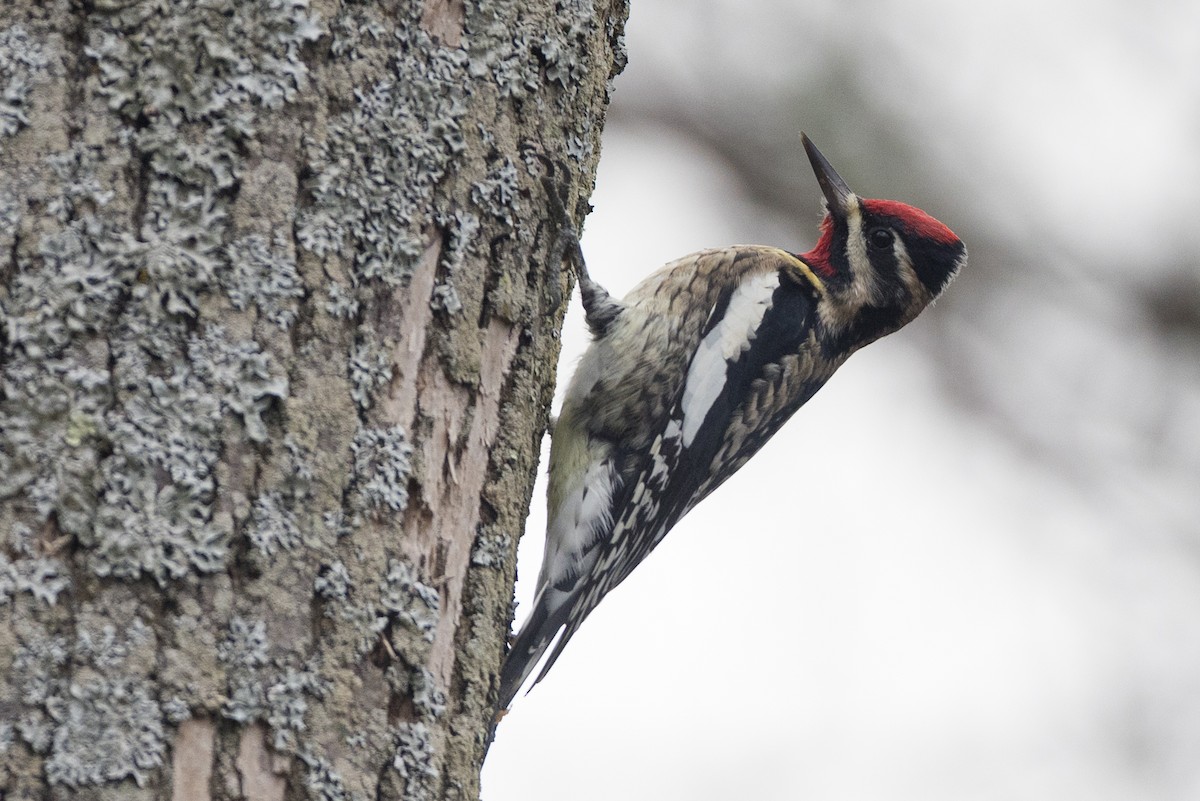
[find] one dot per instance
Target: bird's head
(879, 262)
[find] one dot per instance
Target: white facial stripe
(862, 283)
(728, 338)
(908, 273)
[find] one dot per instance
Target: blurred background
(970, 567)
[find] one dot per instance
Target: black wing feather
(784, 330)
(675, 477)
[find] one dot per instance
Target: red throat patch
(818, 257)
(917, 222)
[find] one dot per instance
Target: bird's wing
(752, 363)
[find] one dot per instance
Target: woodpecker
(693, 371)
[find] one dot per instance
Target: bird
(690, 374)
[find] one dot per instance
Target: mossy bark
(279, 331)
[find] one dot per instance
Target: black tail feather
(531, 642)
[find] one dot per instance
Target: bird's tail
(531, 642)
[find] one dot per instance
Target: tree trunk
(279, 331)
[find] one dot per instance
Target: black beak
(837, 194)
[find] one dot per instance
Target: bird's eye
(880, 238)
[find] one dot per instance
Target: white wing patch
(728, 339)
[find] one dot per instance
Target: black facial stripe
(934, 262)
(885, 264)
(839, 259)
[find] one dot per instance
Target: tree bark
(279, 330)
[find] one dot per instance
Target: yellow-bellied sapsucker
(694, 371)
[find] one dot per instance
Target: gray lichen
(496, 194)
(370, 368)
(322, 780)
(299, 462)
(169, 426)
(85, 269)
(51, 409)
(247, 376)
(579, 148)
(461, 233)
(341, 525)
(21, 59)
(491, 547)
(364, 622)
(409, 600)
(429, 700)
(382, 463)
(107, 648)
(353, 32)
(376, 172)
(118, 442)
(263, 276)
(45, 578)
(287, 704)
(274, 690)
(244, 653)
(94, 728)
(234, 54)
(36, 731)
(176, 710)
(37, 672)
(341, 304)
(463, 227)
(169, 423)
(180, 256)
(245, 645)
(273, 525)
(10, 211)
(144, 528)
(172, 423)
(82, 189)
(413, 760)
(402, 599)
(562, 49)
(125, 713)
(445, 299)
(513, 64)
(333, 582)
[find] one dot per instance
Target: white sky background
(896, 599)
